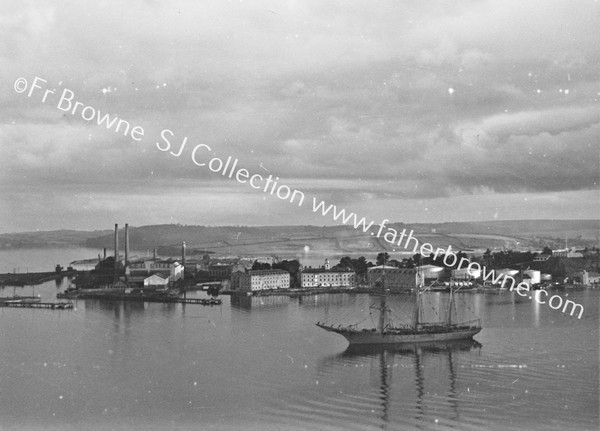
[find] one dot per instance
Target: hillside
(289, 240)
(284, 240)
(48, 239)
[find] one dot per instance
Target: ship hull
(377, 338)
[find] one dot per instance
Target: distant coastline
(334, 240)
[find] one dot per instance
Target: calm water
(261, 363)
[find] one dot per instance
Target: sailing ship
(388, 333)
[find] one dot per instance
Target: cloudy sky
(409, 110)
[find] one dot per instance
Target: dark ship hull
(400, 336)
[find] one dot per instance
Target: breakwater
(32, 278)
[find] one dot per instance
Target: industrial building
(141, 272)
(432, 272)
(394, 278)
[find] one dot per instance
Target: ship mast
(450, 306)
(382, 301)
(417, 298)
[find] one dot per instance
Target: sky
(412, 111)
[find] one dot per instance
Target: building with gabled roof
(138, 271)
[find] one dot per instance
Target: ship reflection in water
(411, 381)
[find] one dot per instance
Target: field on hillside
(325, 240)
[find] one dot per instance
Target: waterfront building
(587, 278)
(138, 271)
(395, 278)
(255, 280)
(323, 277)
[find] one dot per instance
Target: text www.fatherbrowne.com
(271, 185)
(450, 259)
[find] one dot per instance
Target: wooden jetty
(32, 278)
(137, 297)
(46, 305)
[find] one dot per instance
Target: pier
(116, 296)
(46, 305)
(33, 278)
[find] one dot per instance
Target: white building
(255, 280)
(156, 281)
(321, 277)
(138, 271)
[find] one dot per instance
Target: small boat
(387, 333)
(18, 298)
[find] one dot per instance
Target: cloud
(350, 101)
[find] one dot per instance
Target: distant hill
(292, 240)
(48, 239)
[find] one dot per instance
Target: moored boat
(387, 333)
(18, 298)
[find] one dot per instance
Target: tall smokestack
(183, 255)
(116, 250)
(104, 252)
(126, 244)
(155, 254)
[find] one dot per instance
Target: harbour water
(261, 363)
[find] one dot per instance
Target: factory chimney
(155, 254)
(116, 251)
(126, 244)
(104, 252)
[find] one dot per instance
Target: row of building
(393, 278)
(237, 274)
(255, 280)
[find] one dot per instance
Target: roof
(151, 259)
(391, 268)
(430, 267)
(267, 272)
(506, 270)
(163, 277)
(321, 270)
(384, 267)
